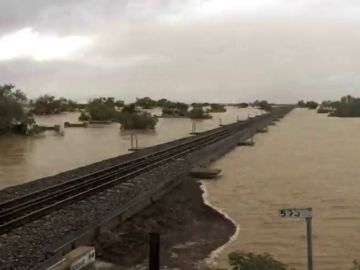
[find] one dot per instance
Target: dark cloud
(163, 49)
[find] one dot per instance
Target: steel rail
(7, 225)
(102, 172)
(13, 211)
(26, 208)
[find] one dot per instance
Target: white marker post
(307, 214)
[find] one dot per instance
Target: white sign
(296, 213)
(83, 261)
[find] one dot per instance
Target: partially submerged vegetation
(250, 261)
(215, 108)
(14, 103)
(198, 113)
(106, 109)
(13, 118)
(46, 105)
(347, 106)
(130, 118)
(243, 105)
(263, 105)
(312, 105)
(173, 109)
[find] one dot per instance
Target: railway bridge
(42, 220)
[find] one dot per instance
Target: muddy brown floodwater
(307, 160)
(23, 159)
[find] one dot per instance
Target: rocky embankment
(190, 231)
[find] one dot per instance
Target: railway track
(21, 210)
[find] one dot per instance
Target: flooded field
(307, 160)
(23, 159)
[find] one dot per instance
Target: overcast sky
(189, 50)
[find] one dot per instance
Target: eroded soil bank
(190, 231)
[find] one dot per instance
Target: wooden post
(154, 251)
(193, 127)
(136, 141)
(132, 140)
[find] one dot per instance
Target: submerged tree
(217, 108)
(12, 112)
(243, 105)
(347, 107)
(301, 104)
(48, 104)
(131, 119)
(198, 113)
(251, 261)
(263, 105)
(175, 108)
(101, 109)
(312, 105)
(146, 102)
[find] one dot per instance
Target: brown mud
(190, 230)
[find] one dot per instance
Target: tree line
(16, 110)
(347, 106)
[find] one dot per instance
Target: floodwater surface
(23, 159)
(306, 160)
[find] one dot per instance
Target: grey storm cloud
(278, 50)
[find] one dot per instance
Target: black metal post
(154, 253)
(309, 243)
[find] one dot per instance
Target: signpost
(307, 214)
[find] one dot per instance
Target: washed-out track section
(101, 186)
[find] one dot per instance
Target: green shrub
(84, 116)
(136, 120)
(243, 105)
(251, 261)
(217, 108)
(11, 108)
(198, 113)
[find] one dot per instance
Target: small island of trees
(216, 108)
(47, 105)
(263, 105)
(243, 105)
(173, 109)
(16, 110)
(198, 113)
(347, 106)
(107, 109)
(312, 105)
